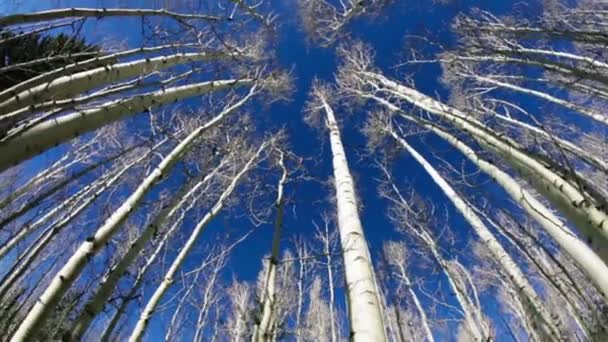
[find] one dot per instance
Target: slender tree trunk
(561, 143)
(472, 313)
(330, 277)
(67, 275)
(268, 303)
(302, 255)
(46, 194)
(423, 318)
(70, 85)
(365, 314)
(599, 117)
(591, 219)
(173, 328)
(535, 306)
(51, 133)
(203, 313)
(592, 264)
(152, 303)
(79, 66)
(96, 304)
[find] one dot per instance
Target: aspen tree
(535, 307)
(365, 314)
(153, 302)
(268, 300)
(68, 274)
(561, 187)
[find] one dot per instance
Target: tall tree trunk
(592, 264)
(71, 85)
(67, 275)
(152, 303)
(584, 209)
(365, 314)
(536, 309)
(61, 13)
(96, 304)
(45, 135)
(268, 300)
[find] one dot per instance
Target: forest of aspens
(304, 170)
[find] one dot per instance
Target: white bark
(591, 219)
(365, 313)
(573, 34)
(210, 295)
(25, 118)
(46, 60)
(592, 264)
(397, 260)
(562, 143)
(302, 256)
(89, 193)
(70, 85)
(586, 61)
(327, 240)
(566, 104)
(139, 279)
(40, 196)
(47, 174)
(173, 324)
(96, 304)
(51, 133)
(535, 305)
(154, 300)
(70, 271)
(78, 66)
(68, 206)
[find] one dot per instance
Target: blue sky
(386, 34)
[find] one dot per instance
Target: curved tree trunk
(62, 13)
(592, 220)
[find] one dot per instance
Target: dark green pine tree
(36, 47)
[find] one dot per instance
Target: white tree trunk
(592, 264)
(423, 318)
(365, 313)
(564, 144)
(152, 303)
(70, 85)
(96, 304)
(472, 314)
(67, 275)
(88, 195)
(78, 66)
(330, 278)
(592, 220)
(53, 132)
(566, 104)
(139, 279)
(535, 305)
